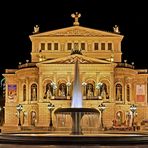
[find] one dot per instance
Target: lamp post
(101, 109)
(133, 109)
(19, 108)
(50, 108)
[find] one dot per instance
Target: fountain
(76, 111)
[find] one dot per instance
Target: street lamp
(51, 108)
(19, 108)
(133, 109)
(101, 109)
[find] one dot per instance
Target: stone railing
(125, 65)
(27, 65)
(142, 71)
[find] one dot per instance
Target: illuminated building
(48, 77)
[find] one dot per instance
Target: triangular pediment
(72, 58)
(76, 31)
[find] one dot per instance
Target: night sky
(19, 18)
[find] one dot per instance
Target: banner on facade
(12, 92)
(140, 93)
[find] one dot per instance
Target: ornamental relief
(47, 77)
(33, 80)
(128, 79)
(73, 60)
(28, 73)
(81, 60)
(117, 80)
(141, 81)
(76, 32)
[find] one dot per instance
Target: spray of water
(77, 93)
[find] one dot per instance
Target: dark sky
(17, 20)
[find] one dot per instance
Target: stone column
(97, 81)
(55, 80)
(20, 91)
(124, 91)
(27, 90)
(83, 85)
(6, 93)
(68, 84)
(40, 88)
(112, 88)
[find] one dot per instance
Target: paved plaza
(48, 140)
(69, 146)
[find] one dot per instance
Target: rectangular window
(56, 46)
(82, 46)
(102, 46)
(49, 46)
(42, 46)
(109, 46)
(69, 46)
(96, 46)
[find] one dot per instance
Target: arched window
(48, 91)
(128, 93)
(103, 91)
(62, 89)
(89, 90)
(118, 92)
(24, 92)
(33, 92)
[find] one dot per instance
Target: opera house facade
(48, 78)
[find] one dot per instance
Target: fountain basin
(76, 115)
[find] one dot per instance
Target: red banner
(140, 98)
(140, 93)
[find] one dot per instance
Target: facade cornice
(76, 31)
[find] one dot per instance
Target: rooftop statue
(36, 29)
(116, 29)
(76, 16)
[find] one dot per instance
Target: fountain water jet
(77, 93)
(76, 111)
